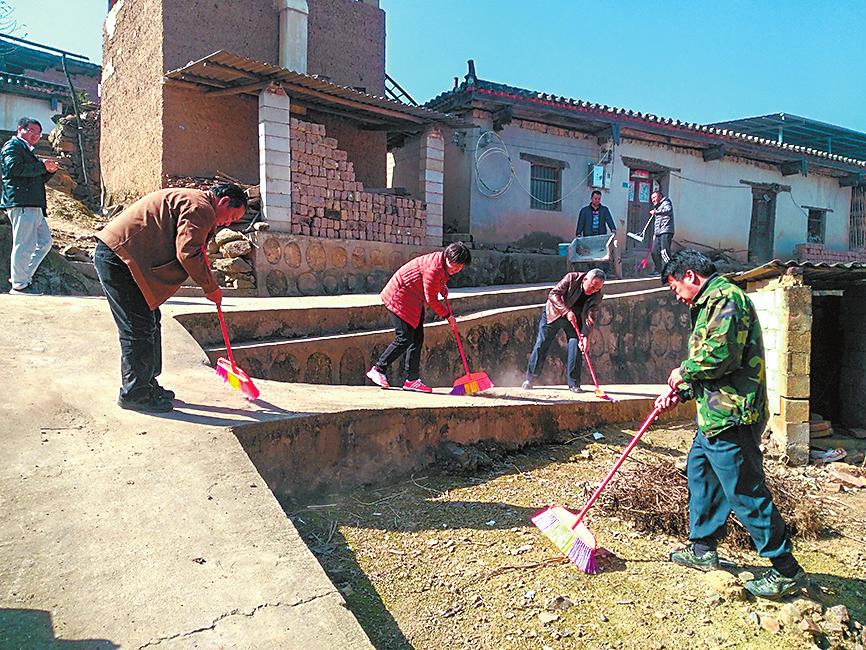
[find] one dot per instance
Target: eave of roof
(822, 274)
(225, 73)
(24, 85)
(460, 96)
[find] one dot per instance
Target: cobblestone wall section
(328, 202)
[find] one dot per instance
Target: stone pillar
(785, 311)
(430, 181)
(275, 172)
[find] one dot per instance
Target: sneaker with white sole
(418, 386)
(29, 290)
(378, 378)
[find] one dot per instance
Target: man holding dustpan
(571, 305)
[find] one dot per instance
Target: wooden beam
(237, 90)
(852, 180)
(543, 160)
(502, 116)
(716, 152)
(302, 92)
(791, 167)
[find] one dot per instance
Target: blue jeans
(139, 327)
(725, 474)
(31, 242)
(546, 335)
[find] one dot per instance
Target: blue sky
(699, 61)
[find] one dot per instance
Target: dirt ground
(452, 561)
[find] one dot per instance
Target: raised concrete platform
(120, 529)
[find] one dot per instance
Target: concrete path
(124, 530)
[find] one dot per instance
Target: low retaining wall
(311, 454)
(293, 265)
(639, 337)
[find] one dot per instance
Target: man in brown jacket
(142, 258)
(571, 305)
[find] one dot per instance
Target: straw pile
(653, 495)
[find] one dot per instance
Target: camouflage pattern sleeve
(717, 343)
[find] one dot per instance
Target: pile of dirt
(72, 223)
(654, 496)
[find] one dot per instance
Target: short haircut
(24, 122)
(458, 253)
(687, 260)
(237, 197)
(594, 192)
(592, 274)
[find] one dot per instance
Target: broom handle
(586, 356)
(226, 338)
(457, 336)
(646, 425)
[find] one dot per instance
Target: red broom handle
(457, 336)
(226, 338)
(646, 425)
(586, 356)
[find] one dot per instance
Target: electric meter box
(596, 175)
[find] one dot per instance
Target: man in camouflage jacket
(725, 374)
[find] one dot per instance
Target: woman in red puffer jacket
(415, 284)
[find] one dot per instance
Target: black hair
(594, 192)
(687, 260)
(237, 197)
(24, 122)
(458, 253)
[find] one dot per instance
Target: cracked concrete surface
(124, 530)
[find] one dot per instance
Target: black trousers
(138, 327)
(408, 340)
(662, 251)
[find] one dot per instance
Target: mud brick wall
(328, 201)
(784, 309)
(820, 253)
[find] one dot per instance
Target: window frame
(543, 201)
(819, 214)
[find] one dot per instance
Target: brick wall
(784, 309)
(328, 201)
(820, 253)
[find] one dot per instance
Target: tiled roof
(603, 111)
(823, 273)
(16, 83)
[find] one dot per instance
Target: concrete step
(280, 325)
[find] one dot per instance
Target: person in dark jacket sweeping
(417, 283)
(24, 177)
(571, 305)
(725, 373)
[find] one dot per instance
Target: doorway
(642, 183)
(763, 225)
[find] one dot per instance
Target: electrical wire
(694, 180)
(493, 144)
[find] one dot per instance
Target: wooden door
(763, 226)
(638, 209)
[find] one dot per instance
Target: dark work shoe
(29, 290)
(774, 585)
(162, 392)
(709, 561)
(150, 403)
(526, 385)
(576, 389)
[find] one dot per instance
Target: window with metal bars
(545, 186)
(816, 226)
(857, 224)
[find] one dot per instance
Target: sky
(699, 61)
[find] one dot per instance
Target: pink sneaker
(418, 386)
(378, 378)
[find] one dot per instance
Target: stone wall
(639, 338)
(784, 308)
(64, 141)
(293, 265)
(328, 202)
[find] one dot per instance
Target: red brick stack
(328, 202)
(820, 253)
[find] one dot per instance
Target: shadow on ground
(32, 629)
